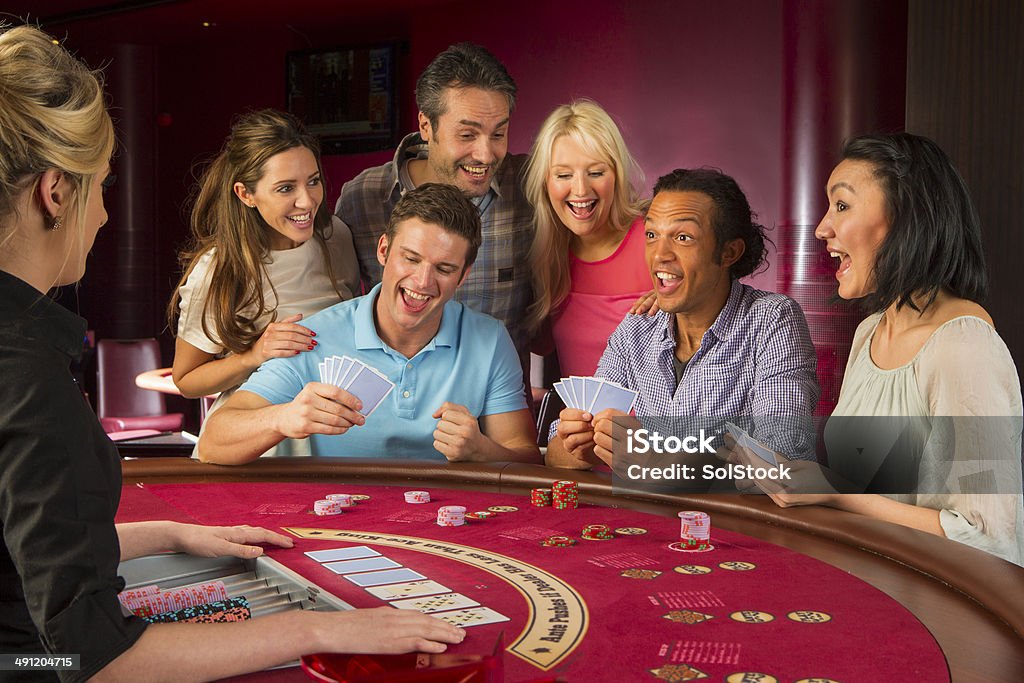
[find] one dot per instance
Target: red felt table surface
(757, 607)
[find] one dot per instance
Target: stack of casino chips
(565, 495)
(220, 612)
(326, 508)
(597, 532)
(150, 600)
(343, 499)
(417, 496)
(451, 515)
(558, 542)
(540, 498)
(695, 530)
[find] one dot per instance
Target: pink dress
(600, 294)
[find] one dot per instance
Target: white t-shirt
(300, 280)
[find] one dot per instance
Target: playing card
(609, 395)
(323, 372)
(341, 374)
(410, 589)
(436, 603)
(336, 554)
(365, 564)
(475, 616)
(386, 576)
(369, 387)
(745, 440)
(330, 363)
(579, 388)
(563, 394)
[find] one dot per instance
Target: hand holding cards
(366, 383)
(746, 441)
(592, 395)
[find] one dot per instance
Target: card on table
(366, 564)
(336, 554)
(436, 603)
(384, 577)
(410, 589)
(474, 616)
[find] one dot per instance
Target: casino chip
(417, 497)
(503, 508)
(558, 542)
(360, 496)
(597, 532)
(630, 531)
(326, 508)
(451, 515)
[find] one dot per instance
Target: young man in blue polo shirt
(458, 390)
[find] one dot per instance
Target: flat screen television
(347, 96)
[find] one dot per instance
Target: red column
(844, 73)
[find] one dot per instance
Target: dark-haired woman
(908, 244)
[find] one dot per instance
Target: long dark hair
(239, 234)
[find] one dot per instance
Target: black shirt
(60, 484)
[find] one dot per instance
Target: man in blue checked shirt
(718, 348)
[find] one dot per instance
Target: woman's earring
(57, 221)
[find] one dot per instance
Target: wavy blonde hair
(238, 233)
(594, 130)
(54, 115)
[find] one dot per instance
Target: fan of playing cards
(593, 395)
(366, 383)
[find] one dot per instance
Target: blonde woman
(60, 478)
(588, 253)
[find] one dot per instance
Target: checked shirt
(499, 283)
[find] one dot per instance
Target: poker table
(801, 594)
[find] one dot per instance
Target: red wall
(691, 83)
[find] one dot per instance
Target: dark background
(764, 89)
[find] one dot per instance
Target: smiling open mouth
(582, 209)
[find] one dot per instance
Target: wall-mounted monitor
(348, 96)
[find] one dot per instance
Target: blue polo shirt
(471, 361)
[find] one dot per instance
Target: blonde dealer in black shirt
(60, 478)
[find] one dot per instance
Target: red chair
(121, 405)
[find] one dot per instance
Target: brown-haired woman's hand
(282, 339)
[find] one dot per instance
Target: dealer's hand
(225, 541)
(457, 436)
(319, 409)
(611, 436)
(386, 630)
